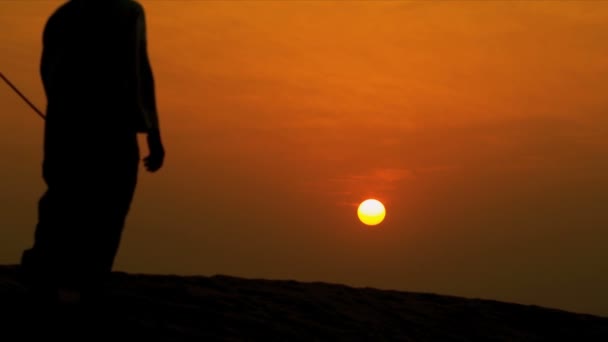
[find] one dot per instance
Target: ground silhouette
(174, 308)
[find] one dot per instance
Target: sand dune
(174, 308)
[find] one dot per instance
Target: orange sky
(481, 125)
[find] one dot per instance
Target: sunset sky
(481, 125)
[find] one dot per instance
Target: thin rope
(22, 96)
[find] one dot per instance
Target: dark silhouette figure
(100, 94)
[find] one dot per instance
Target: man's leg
(112, 204)
(52, 260)
(39, 263)
(117, 211)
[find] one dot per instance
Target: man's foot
(43, 295)
(40, 286)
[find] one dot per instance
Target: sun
(371, 212)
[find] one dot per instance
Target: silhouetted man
(100, 94)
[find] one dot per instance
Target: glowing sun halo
(371, 212)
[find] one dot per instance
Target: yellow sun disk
(371, 212)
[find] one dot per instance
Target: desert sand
(178, 308)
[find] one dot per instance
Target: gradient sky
(482, 126)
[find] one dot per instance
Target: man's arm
(146, 78)
(45, 69)
(46, 60)
(147, 97)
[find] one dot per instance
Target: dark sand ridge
(175, 308)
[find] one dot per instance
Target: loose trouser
(81, 216)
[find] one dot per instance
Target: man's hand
(154, 161)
